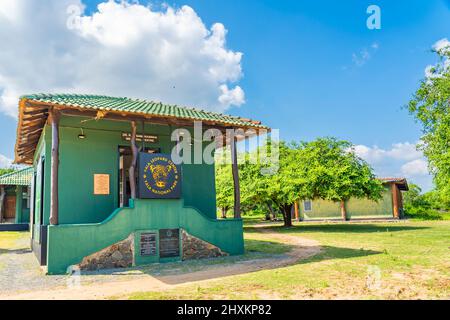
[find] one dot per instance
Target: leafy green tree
(413, 197)
(224, 188)
(430, 105)
(330, 170)
(5, 171)
(325, 168)
(277, 191)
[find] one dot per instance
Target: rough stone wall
(118, 255)
(195, 248)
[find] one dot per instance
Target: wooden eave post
(235, 171)
(134, 152)
(54, 116)
(296, 210)
(2, 202)
(395, 197)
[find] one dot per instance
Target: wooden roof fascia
(37, 113)
(127, 113)
(33, 128)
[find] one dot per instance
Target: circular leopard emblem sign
(161, 176)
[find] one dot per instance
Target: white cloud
(10, 9)
(413, 168)
(436, 71)
(442, 45)
(361, 57)
(364, 55)
(235, 96)
(121, 49)
(5, 162)
(401, 160)
(399, 151)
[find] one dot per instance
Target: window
(307, 205)
(25, 198)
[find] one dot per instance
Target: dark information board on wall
(169, 243)
(159, 177)
(148, 244)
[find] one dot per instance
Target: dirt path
(302, 249)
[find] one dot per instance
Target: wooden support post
(32, 202)
(134, 152)
(343, 211)
(54, 120)
(19, 204)
(235, 170)
(2, 202)
(296, 211)
(143, 137)
(395, 197)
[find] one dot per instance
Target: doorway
(125, 157)
(10, 208)
(124, 176)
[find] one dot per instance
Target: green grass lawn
(8, 240)
(399, 260)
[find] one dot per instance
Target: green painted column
(19, 202)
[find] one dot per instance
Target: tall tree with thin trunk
(224, 188)
(332, 171)
(430, 106)
(324, 168)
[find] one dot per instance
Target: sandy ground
(72, 288)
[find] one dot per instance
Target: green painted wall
(22, 213)
(81, 212)
(356, 208)
(42, 150)
(68, 244)
(80, 159)
(321, 209)
(363, 208)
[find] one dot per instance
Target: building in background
(15, 199)
(390, 206)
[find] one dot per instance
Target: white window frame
(311, 206)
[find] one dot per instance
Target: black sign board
(147, 137)
(169, 243)
(148, 244)
(159, 177)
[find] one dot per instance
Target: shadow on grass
(338, 228)
(16, 251)
(267, 247)
(260, 255)
(338, 253)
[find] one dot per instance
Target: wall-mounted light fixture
(81, 135)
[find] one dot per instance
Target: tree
(430, 106)
(279, 189)
(332, 171)
(224, 188)
(5, 171)
(413, 197)
(325, 168)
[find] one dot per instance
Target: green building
(101, 164)
(390, 206)
(15, 200)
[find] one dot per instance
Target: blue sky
(313, 68)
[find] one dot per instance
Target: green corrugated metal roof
(137, 106)
(17, 178)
